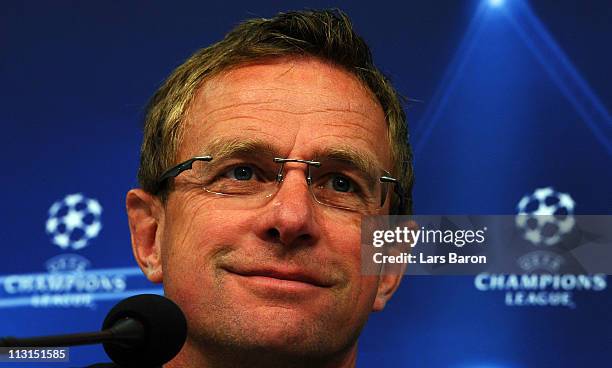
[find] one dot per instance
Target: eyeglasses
(249, 182)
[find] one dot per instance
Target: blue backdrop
(505, 97)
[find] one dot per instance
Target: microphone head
(164, 325)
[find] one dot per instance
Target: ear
(391, 274)
(387, 284)
(145, 216)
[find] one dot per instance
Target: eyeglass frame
(176, 170)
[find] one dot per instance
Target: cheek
(198, 226)
(193, 237)
(192, 244)
(344, 241)
(345, 244)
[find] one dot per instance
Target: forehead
(297, 105)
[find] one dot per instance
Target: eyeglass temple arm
(398, 190)
(186, 165)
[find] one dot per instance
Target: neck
(192, 355)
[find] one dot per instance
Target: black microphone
(142, 330)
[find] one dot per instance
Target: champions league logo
(74, 221)
(70, 280)
(545, 218)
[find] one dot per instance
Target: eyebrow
(223, 148)
(363, 161)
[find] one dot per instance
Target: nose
(289, 218)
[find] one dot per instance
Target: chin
(278, 330)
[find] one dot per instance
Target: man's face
(285, 274)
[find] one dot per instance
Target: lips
(284, 275)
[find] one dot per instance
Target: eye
(241, 173)
(342, 184)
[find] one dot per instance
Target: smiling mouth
(279, 279)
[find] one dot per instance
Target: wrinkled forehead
(313, 77)
(295, 104)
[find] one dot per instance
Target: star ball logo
(545, 216)
(73, 221)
